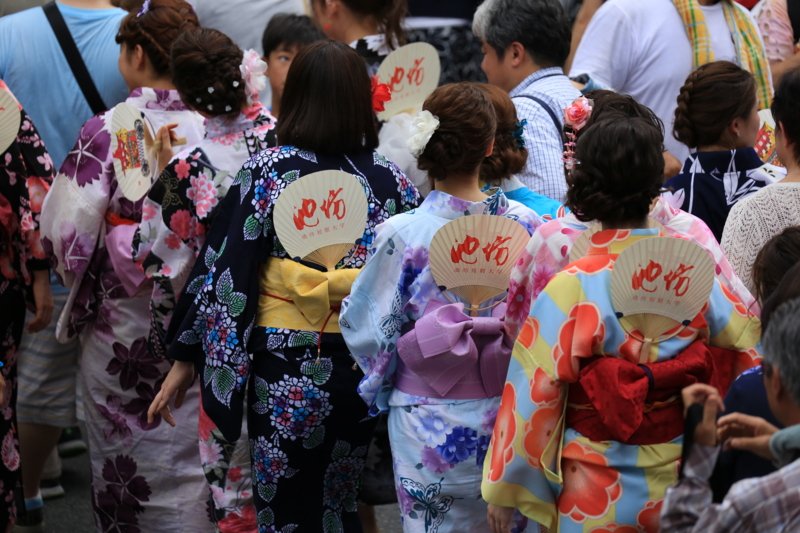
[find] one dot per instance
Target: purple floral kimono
(145, 477)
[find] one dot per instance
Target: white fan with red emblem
(10, 119)
(412, 73)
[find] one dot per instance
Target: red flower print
(10, 451)
(590, 264)
(578, 336)
(203, 193)
(606, 237)
(182, 169)
(148, 211)
(172, 241)
(206, 426)
(590, 485)
(505, 431)
(380, 94)
(529, 333)
(630, 348)
(611, 527)
(649, 518)
(239, 523)
(738, 306)
(538, 431)
(181, 223)
(544, 389)
(519, 302)
(235, 474)
(37, 190)
(541, 277)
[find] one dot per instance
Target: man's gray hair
(781, 345)
(541, 26)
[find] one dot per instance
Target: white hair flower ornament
(425, 123)
(252, 70)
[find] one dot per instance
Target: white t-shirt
(641, 49)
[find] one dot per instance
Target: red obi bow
(615, 399)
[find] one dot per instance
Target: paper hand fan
(581, 244)
(472, 256)
(765, 142)
(660, 284)
(321, 216)
(10, 118)
(412, 73)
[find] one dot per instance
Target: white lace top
(754, 221)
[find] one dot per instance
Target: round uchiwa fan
(581, 244)
(133, 150)
(10, 118)
(472, 256)
(765, 142)
(412, 73)
(319, 217)
(659, 285)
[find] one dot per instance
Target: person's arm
(606, 55)
(587, 11)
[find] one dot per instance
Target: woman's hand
(43, 299)
(706, 431)
(179, 379)
(2, 387)
(499, 518)
(165, 139)
(747, 433)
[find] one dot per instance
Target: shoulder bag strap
(74, 58)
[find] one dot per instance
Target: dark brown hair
(508, 157)
(389, 14)
(619, 170)
(713, 95)
(327, 101)
(786, 108)
(467, 126)
(606, 102)
(780, 254)
(203, 59)
(787, 289)
(156, 30)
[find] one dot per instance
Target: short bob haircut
(786, 107)
(327, 102)
(619, 170)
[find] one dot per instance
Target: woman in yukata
(374, 28)
(438, 441)
(87, 228)
(717, 118)
(246, 318)
(509, 157)
(26, 172)
(616, 457)
(548, 251)
(218, 80)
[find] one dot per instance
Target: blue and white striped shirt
(544, 171)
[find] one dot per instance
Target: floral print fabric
(308, 430)
(438, 445)
(26, 172)
(549, 249)
(596, 486)
(137, 487)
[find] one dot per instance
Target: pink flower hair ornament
(575, 116)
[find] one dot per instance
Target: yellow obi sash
(294, 296)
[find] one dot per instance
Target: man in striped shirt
(525, 44)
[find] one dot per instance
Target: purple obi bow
(449, 354)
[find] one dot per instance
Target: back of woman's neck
(462, 187)
(792, 172)
(360, 29)
(87, 4)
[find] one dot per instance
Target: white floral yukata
(145, 477)
(176, 217)
(438, 445)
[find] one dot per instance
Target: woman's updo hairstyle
(467, 126)
(389, 14)
(619, 170)
(713, 95)
(605, 102)
(201, 59)
(156, 29)
(508, 157)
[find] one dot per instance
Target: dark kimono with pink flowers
(26, 172)
(145, 477)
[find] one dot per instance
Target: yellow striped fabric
(749, 48)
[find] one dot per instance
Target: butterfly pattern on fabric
(429, 505)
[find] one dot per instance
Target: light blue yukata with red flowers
(438, 444)
(145, 477)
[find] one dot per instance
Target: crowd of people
(213, 372)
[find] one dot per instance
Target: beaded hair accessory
(517, 133)
(145, 8)
(575, 116)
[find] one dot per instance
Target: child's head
(283, 39)
(467, 126)
(204, 59)
(786, 113)
(509, 155)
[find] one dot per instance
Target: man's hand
(706, 431)
(749, 433)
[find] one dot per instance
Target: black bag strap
(547, 108)
(73, 56)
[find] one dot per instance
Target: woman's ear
(139, 57)
(490, 150)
